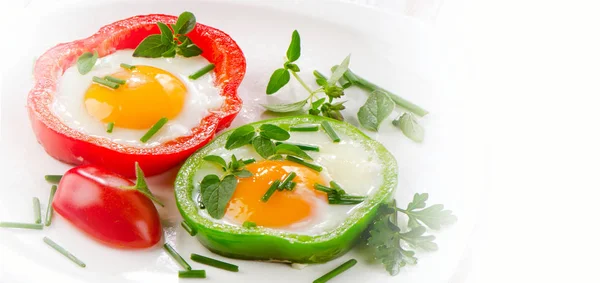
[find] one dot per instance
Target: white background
(536, 68)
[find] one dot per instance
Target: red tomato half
(71, 146)
(92, 198)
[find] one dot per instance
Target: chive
(104, 82)
(345, 199)
(338, 189)
(249, 161)
(322, 188)
(307, 147)
(187, 228)
(21, 225)
(176, 257)
(127, 66)
(291, 186)
(249, 224)
(344, 82)
(192, 274)
(329, 130)
(109, 127)
(37, 213)
(154, 129)
(55, 179)
(63, 251)
(270, 191)
(214, 263)
(304, 128)
(202, 71)
(302, 162)
(335, 272)
(115, 80)
(286, 181)
(49, 210)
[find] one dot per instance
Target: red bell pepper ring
(71, 146)
(98, 202)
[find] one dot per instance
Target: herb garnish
(249, 224)
(63, 251)
(37, 213)
(141, 185)
(49, 209)
(171, 40)
(336, 195)
(214, 263)
(109, 127)
(202, 71)
(154, 129)
(410, 127)
(192, 274)
(54, 179)
(175, 255)
(86, 62)
(127, 66)
(337, 271)
(19, 225)
(105, 82)
(270, 191)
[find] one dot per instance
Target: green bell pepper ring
(272, 245)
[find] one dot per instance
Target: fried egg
(155, 88)
(303, 210)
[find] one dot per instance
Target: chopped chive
(115, 80)
(37, 213)
(335, 272)
(21, 225)
(338, 189)
(202, 71)
(249, 224)
(49, 210)
(322, 188)
(127, 66)
(329, 130)
(177, 257)
(345, 199)
(286, 181)
(214, 263)
(291, 186)
(63, 251)
(55, 179)
(307, 147)
(154, 129)
(187, 228)
(343, 81)
(304, 128)
(192, 274)
(109, 127)
(302, 162)
(249, 161)
(104, 82)
(270, 191)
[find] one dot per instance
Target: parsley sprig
(390, 242)
(172, 40)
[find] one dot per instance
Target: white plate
(399, 53)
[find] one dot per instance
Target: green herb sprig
(336, 195)
(172, 40)
(86, 62)
(141, 185)
(386, 237)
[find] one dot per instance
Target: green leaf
(316, 104)
(209, 181)
(279, 79)
(291, 66)
(187, 48)
(339, 71)
(151, 47)
(166, 35)
(216, 196)
(378, 107)
(170, 53)
(415, 239)
(141, 185)
(243, 173)
(263, 146)
(408, 124)
(418, 201)
(434, 216)
(240, 137)
(285, 108)
(217, 160)
(293, 52)
(185, 23)
(86, 62)
(291, 149)
(273, 132)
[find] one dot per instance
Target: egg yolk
(148, 95)
(285, 207)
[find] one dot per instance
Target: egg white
(202, 97)
(355, 167)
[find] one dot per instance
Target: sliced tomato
(71, 146)
(102, 204)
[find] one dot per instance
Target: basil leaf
(209, 181)
(285, 108)
(166, 35)
(279, 79)
(216, 197)
(151, 47)
(187, 48)
(243, 173)
(408, 124)
(217, 160)
(185, 23)
(263, 146)
(273, 132)
(339, 71)
(170, 53)
(240, 137)
(86, 62)
(293, 52)
(291, 149)
(378, 106)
